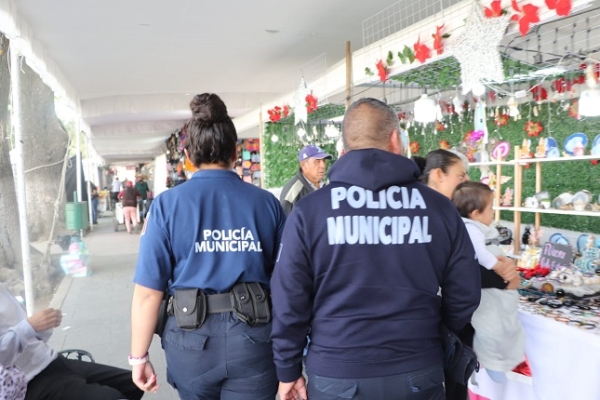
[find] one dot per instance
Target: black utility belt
(247, 300)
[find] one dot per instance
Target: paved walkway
(97, 308)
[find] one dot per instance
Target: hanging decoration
(501, 119)
(300, 111)
(422, 51)
(494, 10)
(311, 103)
(276, 113)
(574, 109)
(533, 128)
(381, 71)
(476, 49)
(562, 7)
(439, 126)
(444, 145)
(414, 147)
(525, 16)
(539, 93)
(437, 39)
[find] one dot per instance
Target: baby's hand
(506, 268)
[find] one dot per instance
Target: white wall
(160, 175)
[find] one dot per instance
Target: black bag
(459, 359)
(189, 307)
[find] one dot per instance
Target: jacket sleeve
(491, 280)
(461, 284)
(292, 296)
(14, 340)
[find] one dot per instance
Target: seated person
(49, 375)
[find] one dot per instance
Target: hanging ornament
(562, 7)
(311, 103)
(300, 112)
(525, 16)
(495, 10)
(422, 51)
(382, 71)
(535, 111)
(444, 145)
(439, 126)
(301, 132)
(458, 104)
(501, 119)
(437, 40)
(274, 138)
(539, 93)
(533, 128)
(476, 48)
(513, 107)
(574, 109)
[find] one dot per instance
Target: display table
(564, 361)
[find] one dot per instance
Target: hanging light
(478, 89)
(425, 110)
(589, 100)
(274, 138)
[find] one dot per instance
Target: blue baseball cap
(311, 151)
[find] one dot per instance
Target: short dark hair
(440, 158)
(368, 123)
(211, 137)
(471, 196)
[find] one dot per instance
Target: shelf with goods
(519, 164)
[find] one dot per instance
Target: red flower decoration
(533, 128)
(539, 93)
(414, 147)
(580, 80)
(501, 120)
(495, 9)
(562, 7)
(525, 16)
(574, 109)
(311, 103)
(274, 114)
(594, 162)
(437, 40)
(286, 110)
(444, 145)
(560, 85)
(492, 96)
(439, 126)
(381, 71)
(422, 51)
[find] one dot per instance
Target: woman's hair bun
(208, 108)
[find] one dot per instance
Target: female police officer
(211, 243)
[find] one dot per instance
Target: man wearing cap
(308, 178)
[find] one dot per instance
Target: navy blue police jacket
(209, 233)
(361, 265)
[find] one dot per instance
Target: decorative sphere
(274, 138)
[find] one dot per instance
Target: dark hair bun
(420, 161)
(208, 108)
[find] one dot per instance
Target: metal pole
(19, 176)
(348, 74)
(88, 183)
(78, 159)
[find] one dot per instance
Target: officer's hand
(144, 377)
(45, 319)
(293, 390)
(514, 283)
(506, 268)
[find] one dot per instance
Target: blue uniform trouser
(224, 359)
(425, 384)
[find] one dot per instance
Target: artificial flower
(539, 93)
(574, 109)
(501, 119)
(437, 40)
(381, 71)
(525, 16)
(274, 114)
(414, 147)
(439, 126)
(286, 110)
(533, 128)
(495, 9)
(422, 51)
(311, 103)
(562, 7)
(444, 145)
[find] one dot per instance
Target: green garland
(281, 156)
(557, 177)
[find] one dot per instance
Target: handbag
(460, 361)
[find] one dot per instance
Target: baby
(499, 339)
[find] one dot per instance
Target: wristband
(138, 360)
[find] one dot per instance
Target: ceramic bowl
(582, 195)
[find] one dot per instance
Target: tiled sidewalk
(97, 308)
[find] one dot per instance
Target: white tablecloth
(564, 361)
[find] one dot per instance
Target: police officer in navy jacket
(361, 266)
(211, 233)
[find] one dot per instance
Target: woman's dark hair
(211, 136)
(440, 158)
(471, 196)
(420, 161)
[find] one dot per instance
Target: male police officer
(308, 178)
(360, 266)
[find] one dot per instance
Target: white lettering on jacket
(367, 229)
(227, 240)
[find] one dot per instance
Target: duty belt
(215, 303)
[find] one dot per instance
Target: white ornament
(476, 48)
(300, 111)
(274, 138)
(301, 133)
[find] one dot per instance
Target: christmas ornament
(533, 128)
(525, 16)
(381, 71)
(539, 93)
(422, 51)
(562, 7)
(495, 10)
(437, 40)
(501, 119)
(300, 112)
(311, 103)
(476, 48)
(414, 147)
(444, 145)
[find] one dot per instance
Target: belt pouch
(162, 314)
(189, 308)
(251, 303)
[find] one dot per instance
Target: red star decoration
(525, 16)
(381, 71)
(495, 10)
(533, 128)
(422, 52)
(562, 7)
(437, 40)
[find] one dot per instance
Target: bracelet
(138, 360)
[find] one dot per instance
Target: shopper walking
(128, 197)
(211, 243)
(361, 264)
